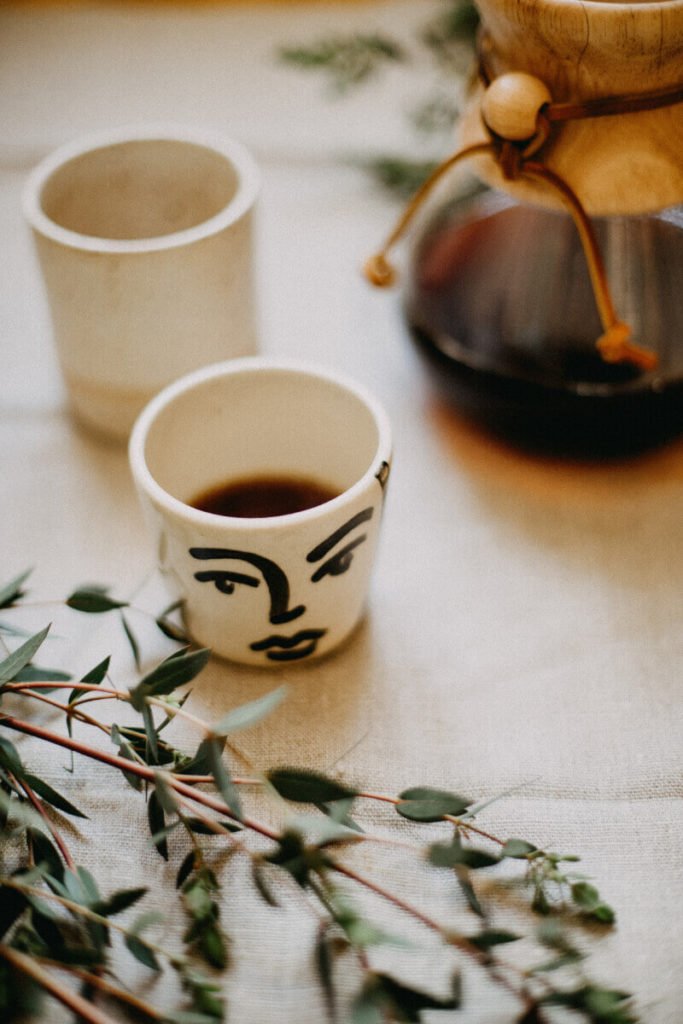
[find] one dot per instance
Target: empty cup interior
(137, 189)
(256, 423)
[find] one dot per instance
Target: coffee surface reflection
(258, 497)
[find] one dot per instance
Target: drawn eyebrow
(327, 568)
(321, 550)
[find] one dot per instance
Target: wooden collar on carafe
(519, 114)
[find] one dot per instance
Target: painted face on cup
(288, 631)
(217, 456)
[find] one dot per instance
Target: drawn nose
(289, 616)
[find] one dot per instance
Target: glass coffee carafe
(549, 302)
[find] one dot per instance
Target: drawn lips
(289, 648)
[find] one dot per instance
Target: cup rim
(147, 483)
(248, 186)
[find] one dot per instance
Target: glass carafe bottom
(500, 306)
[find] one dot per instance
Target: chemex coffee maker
(549, 301)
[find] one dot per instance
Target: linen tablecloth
(524, 625)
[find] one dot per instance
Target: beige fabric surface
(524, 624)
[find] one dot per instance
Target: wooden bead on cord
(511, 105)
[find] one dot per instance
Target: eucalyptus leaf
(9, 758)
(51, 795)
(93, 600)
(448, 856)
(22, 656)
(186, 868)
(36, 674)
(132, 641)
(492, 937)
(303, 786)
(226, 786)
(518, 849)
(157, 823)
(422, 803)
(118, 902)
(10, 592)
(45, 852)
(248, 714)
(263, 888)
(92, 678)
(136, 945)
(175, 671)
(142, 952)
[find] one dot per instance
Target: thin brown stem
(54, 831)
(451, 938)
(446, 817)
(105, 986)
(132, 768)
(28, 966)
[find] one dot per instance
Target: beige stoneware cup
(282, 588)
(144, 239)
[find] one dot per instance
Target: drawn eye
(226, 581)
(339, 563)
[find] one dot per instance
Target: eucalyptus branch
(306, 849)
(31, 968)
(107, 987)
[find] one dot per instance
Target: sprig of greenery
(353, 59)
(55, 921)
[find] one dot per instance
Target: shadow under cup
(277, 589)
(144, 239)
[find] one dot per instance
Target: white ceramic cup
(280, 589)
(144, 239)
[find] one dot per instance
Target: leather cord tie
(519, 115)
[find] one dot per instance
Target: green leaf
(339, 811)
(132, 642)
(34, 674)
(492, 937)
(22, 656)
(170, 629)
(200, 764)
(51, 795)
(248, 714)
(169, 675)
(292, 856)
(125, 751)
(212, 946)
(226, 786)
(12, 906)
(9, 758)
(263, 889)
(186, 868)
(92, 678)
(93, 600)
(119, 902)
(157, 823)
(326, 948)
(587, 897)
(468, 891)
(398, 1002)
(10, 592)
(202, 829)
(518, 849)
(152, 749)
(302, 786)
(140, 949)
(45, 852)
(425, 804)
(442, 855)
(142, 952)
